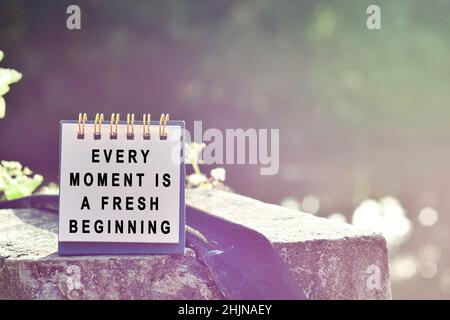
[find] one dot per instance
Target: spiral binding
(98, 126)
(146, 126)
(162, 126)
(130, 126)
(113, 131)
(82, 118)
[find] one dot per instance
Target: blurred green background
(363, 114)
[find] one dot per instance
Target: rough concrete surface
(31, 269)
(330, 260)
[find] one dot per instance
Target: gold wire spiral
(130, 125)
(146, 125)
(113, 125)
(98, 125)
(82, 118)
(162, 125)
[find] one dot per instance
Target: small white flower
(218, 174)
(196, 179)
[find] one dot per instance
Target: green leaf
(17, 181)
(15, 76)
(8, 76)
(22, 186)
(2, 108)
(4, 88)
(11, 194)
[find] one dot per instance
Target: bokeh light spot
(428, 217)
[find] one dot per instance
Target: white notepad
(120, 193)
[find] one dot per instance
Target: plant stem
(196, 168)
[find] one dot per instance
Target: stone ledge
(330, 260)
(31, 269)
